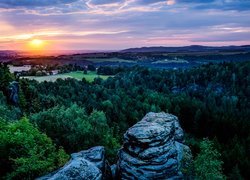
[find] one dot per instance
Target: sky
(121, 24)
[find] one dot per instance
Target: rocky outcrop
(153, 149)
(89, 164)
(13, 92)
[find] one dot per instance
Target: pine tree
(207, 164)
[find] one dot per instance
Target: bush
(26, 153)
(76, 131)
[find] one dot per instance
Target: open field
(170, 61)
(89, 77)
(76, 75)
(114, 59)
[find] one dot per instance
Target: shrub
(25, 152)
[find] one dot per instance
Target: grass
(110, 60)
(170, 61)
(90, 76)
(79, 75)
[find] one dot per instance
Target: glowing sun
(37, 45)
(36, 42)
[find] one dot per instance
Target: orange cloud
(170, 2)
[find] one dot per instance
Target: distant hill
(193, 48)
(6, 55)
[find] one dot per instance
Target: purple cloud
(117, 24)
(102, 2)
(32, 3)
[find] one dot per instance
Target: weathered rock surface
(89, 164)
(94, 155)
(153, 149)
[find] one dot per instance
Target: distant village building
(54, 72)
(16, 69)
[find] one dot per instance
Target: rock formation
(13, 91)
(153, 149)
(89, 164)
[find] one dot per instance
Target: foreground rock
(153, 149)
(89, 165)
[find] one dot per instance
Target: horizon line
(110, 50)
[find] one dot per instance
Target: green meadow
(79, 75)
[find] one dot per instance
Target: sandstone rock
(89, 164)
(96, 155)
(77, 169)
(153, 149)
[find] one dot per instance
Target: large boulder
(153, 149)
(89, 164)
(96, 155)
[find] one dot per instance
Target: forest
(53, 119)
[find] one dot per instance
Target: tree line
(211, 101)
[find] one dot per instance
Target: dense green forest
(62, 117)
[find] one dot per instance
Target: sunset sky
(119, 24)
